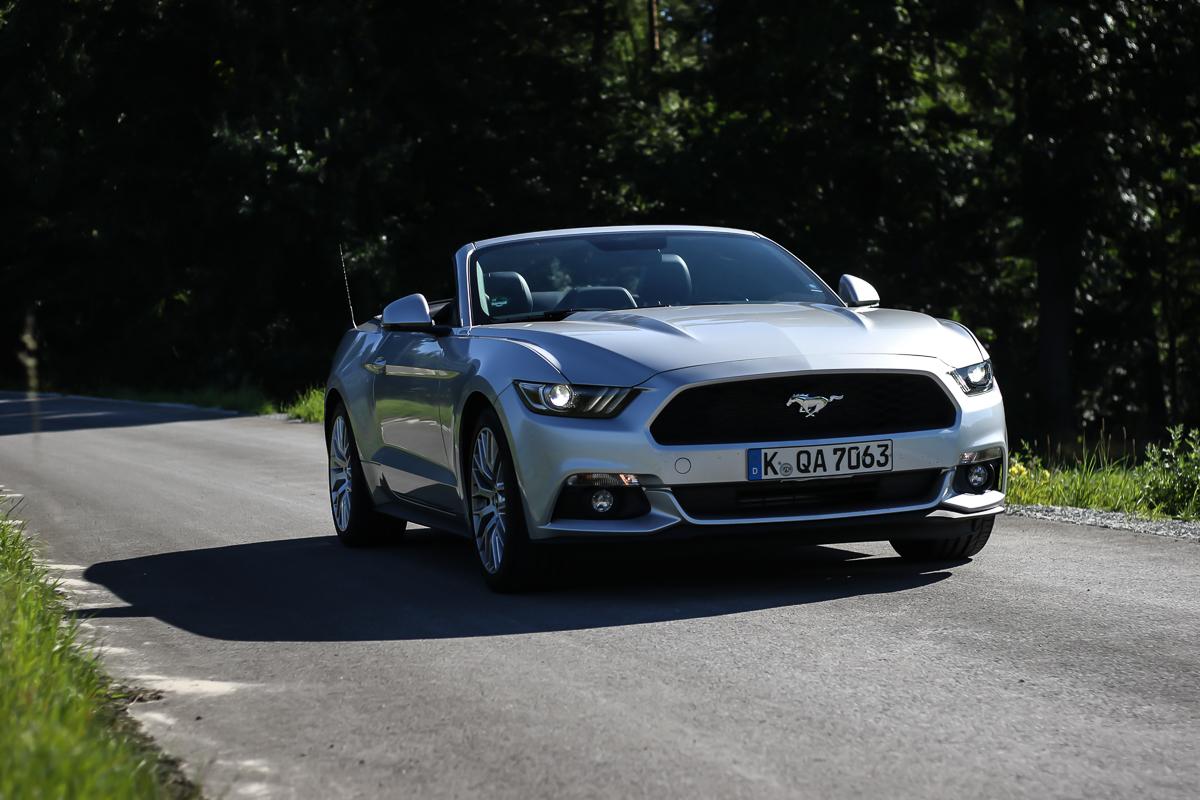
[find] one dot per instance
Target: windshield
(550, 278)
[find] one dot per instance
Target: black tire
(519, 565)
(358, 524)
(950, 548)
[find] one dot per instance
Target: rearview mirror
(409, 313)
(857, 293)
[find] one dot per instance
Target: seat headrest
(668, 283)
(597, 297)
(506, 293)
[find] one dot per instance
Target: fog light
(602, 501)
(978, 475)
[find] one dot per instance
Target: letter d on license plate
(818, 461)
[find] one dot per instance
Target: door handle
(377, 366)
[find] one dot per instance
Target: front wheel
(354, 516)
(506, 555)
(951, 548)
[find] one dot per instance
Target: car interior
(666, 283)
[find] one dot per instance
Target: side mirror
(857, 293)
(409, 313)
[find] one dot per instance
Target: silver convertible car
(647, 382)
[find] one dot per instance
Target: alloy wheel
(488, 504)
(341, 475)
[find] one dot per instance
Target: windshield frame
(471, 310)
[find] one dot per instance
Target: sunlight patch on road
(80, 585)
(191, 686)
(109, 650)
(256, 789)
(154, 717)
(63, 567)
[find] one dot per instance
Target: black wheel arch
(333, 399)
(475, 405)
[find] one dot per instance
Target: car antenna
(346, 279)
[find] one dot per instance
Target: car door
(411, 388)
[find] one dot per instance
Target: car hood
(629, 346)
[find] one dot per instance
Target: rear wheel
(506, 555)
(950, 548)
(355, 519)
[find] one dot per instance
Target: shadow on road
(49, 414)
(427, 587)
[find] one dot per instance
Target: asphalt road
(1063, 661)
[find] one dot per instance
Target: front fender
(353, 383)
(490, 368)
(965, 333)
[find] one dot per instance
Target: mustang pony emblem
(810, 404)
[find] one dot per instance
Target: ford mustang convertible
(646, 382)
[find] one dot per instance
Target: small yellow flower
(1017, 470)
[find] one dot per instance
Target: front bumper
(547, 450)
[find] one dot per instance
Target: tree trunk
(1054, 393)
(1151, 381)
(652, 39)
(1053, 220)
(599, 31)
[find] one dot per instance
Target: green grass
(1164, 483)
(1084, 484)
(62, 731)
(308, 406)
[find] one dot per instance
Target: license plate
(818, 461)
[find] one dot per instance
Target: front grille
(757, 410)
(818, 496)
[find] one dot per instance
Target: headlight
(975, 379)
(568, 400)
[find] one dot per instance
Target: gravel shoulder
(1115, 520)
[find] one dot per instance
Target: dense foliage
(1171, 474)
(178, 174)
(1163, 482)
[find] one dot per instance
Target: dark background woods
(177, 175)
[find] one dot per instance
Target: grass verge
(1085, 483)
(247, 399)
(1164, 483)
(308, 406)
(63, 731)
